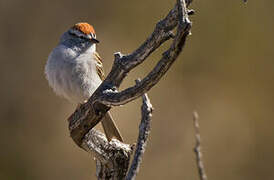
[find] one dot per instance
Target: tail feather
(110, 128)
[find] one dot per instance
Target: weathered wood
(113, 157)
(144, 130)
(90, 113)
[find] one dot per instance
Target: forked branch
(89, 114)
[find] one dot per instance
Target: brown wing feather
(99, 66)
(111, 130)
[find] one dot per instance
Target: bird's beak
(92, 38)
(95, 40)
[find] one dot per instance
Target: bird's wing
(109, 126)
(99, 66)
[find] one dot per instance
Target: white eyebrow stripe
(80, 34)
(93, 35)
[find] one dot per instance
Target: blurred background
(226, 73)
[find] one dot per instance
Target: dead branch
(90, 113)
(112, 158)
(144, 129)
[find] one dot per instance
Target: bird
(74, 70)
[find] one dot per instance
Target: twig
(197, 149)
(144, 129)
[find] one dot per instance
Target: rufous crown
(84, 28)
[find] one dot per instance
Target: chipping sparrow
(74, 70)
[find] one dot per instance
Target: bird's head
(82, 33)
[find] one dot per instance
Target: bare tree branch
(90, 114)
(197, 149)
(144, 129)
(169, 56)
(112, 158)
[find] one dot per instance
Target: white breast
(72, 75)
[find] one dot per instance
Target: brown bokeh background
(226, 73)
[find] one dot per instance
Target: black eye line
(73, 34)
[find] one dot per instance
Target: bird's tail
(110, 128)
